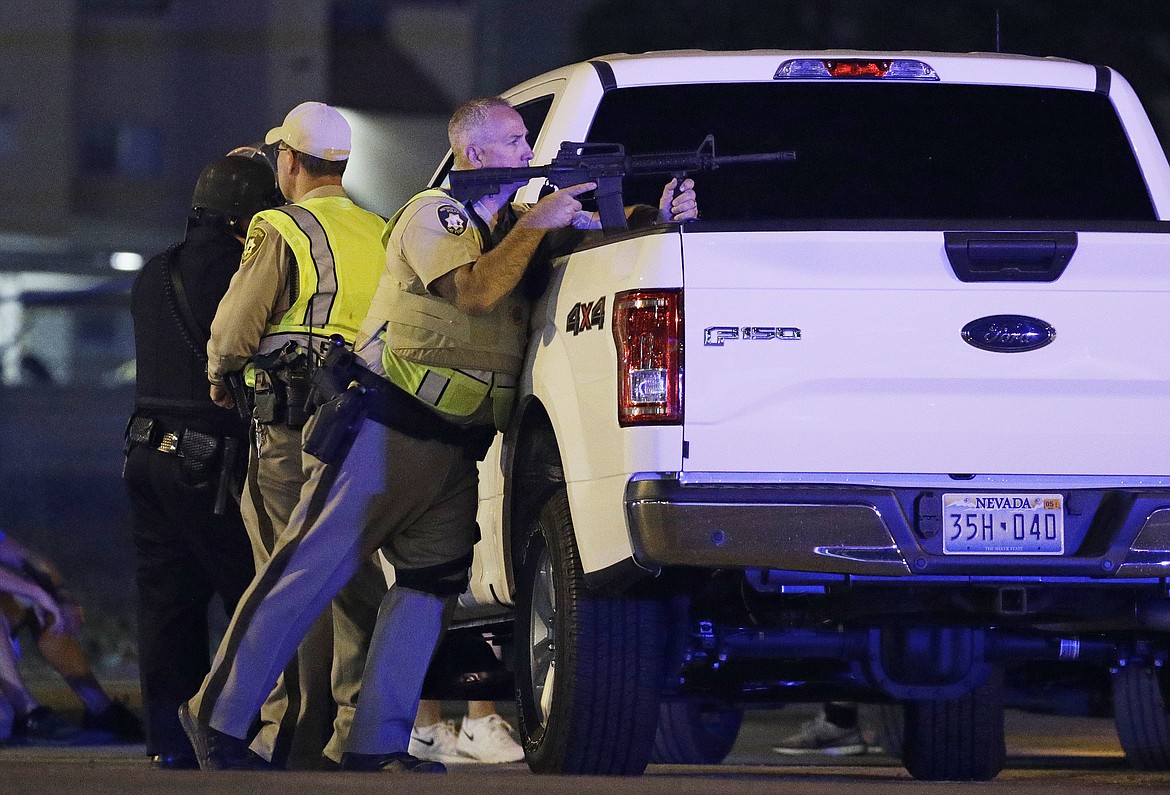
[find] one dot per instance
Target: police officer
(308, 272)
(446, 333)
(180, 450)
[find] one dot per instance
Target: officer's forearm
(481, 286)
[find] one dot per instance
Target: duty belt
(196, 447)
(388, 404)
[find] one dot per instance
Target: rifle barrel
(763, 157)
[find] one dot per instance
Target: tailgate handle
(1009, 256)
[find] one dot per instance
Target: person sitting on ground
(15, 697)
(57, 633)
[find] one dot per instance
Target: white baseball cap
(315, 129)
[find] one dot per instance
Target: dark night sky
(1132, 36)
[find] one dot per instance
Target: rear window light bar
(854, 69)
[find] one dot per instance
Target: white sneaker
(436, 743)
(489, 740)
(818, 736)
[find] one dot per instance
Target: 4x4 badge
(586, 316)
(717, 335)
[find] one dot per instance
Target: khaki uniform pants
(309, 712)
(416, 501)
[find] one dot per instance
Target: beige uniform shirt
(437, 238)
(434, 236)
(259, 295)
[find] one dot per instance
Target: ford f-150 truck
(890, 422)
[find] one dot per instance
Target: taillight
(647, 330)
(854, 69)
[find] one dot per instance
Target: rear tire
(691, 733)
(1139, 712)
(588, 668)
(957, 740)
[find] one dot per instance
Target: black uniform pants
(185, 554)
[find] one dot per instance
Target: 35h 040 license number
(1003, 524)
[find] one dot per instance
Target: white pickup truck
(882, 425)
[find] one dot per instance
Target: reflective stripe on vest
(339, 259)
(456, 392)
(321, 254)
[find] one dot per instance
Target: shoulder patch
(252, 244)
(452, 219)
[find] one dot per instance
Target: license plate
(1003, 524)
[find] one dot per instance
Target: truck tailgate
(838, 352)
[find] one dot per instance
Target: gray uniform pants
(414, 499)
(325, 676)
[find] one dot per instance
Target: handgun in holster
(336, 424)
(334, 374)
(340, 403)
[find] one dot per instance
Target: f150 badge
(586, 316)
(718, 335)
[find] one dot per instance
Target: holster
(283, 386)
(387, 404)
(336, 425)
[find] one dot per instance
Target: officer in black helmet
(182, 450)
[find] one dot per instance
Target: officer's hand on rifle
(678, 202)
(556, 210)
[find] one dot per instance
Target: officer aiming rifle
(606, 165)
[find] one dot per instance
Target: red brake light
(855, 69)
(647, 331)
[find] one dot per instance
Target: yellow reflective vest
(339, 259)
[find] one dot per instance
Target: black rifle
(605, 164)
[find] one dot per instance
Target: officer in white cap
(308, 271)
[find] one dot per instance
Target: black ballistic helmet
(235, 187)
(265, 153)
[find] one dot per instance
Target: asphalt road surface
(1046, 755)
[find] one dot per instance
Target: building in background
(109, 109)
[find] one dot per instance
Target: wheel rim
(542, 662)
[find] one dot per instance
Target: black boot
(216, 750)
(399, 762)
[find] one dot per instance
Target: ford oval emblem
(1008, 333)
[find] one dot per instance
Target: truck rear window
(888, 150)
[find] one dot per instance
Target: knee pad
(441, 580)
